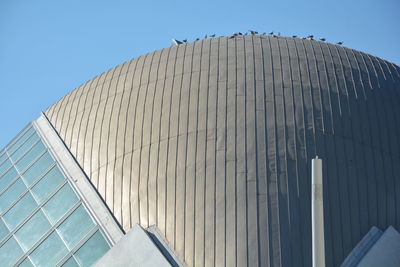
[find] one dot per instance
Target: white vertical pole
(317, 214)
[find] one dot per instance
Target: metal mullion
(28, 187)
(6, 169)
(33, 184)
(49, 231)
(12, 153)
(10, 184)
(19, 135)
(2, 155)
(26, 152)
(34, 211)
(78, 245)
(13, 203)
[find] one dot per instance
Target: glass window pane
(30, 156)
(76, 226)
(3, 230)
(47, 184)
(3, 156)
(33, 230)
(24, 147)
(26, 263)
(70, 263)
(10, 252)
(5, 166)
(60, 203)
(20, 211)
(21, 139)
(49, 252)
(11, 194)
(7, 178)
(92, 250)
(38, 168)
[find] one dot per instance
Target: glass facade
(43, 221)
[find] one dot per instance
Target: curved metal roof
(212, 141)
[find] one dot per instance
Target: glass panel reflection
(10, 252)
(20, 211)
(41, 234)
(5, 166)
(76, 226)
(3, 230)
(7, 178)
(38, 168)
(70, 263)
(92, 250)
(24, 147)
(60, 203)
(3, 156)
(21, 139)
(33, 230)
(12, 194)
(26, 263)
(47, 184)
(49, 252)
(30, 156)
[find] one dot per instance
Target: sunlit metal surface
(212, 142)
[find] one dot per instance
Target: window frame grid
(18, 137)
(20, 173)
(111, 239)
(67, 180)
(28, 188)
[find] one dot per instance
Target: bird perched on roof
(271, 33)
(339, 43)
(184, 41)
(294, 36)
(232, 36)
(205, 37)
(310, 37)
(197, 39)
(239, 33)
(176, 42)
(212, 35)
(322, 39)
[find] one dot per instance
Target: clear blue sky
(48, 48)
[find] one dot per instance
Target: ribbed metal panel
(212, 141)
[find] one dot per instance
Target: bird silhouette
(271, 33)
(339, 43)
(205, 37)
(176, 42)
(294, 36)
(322, 39)
(197, 39)
(212, 35)
(184, 41)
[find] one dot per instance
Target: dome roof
(212, 142)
